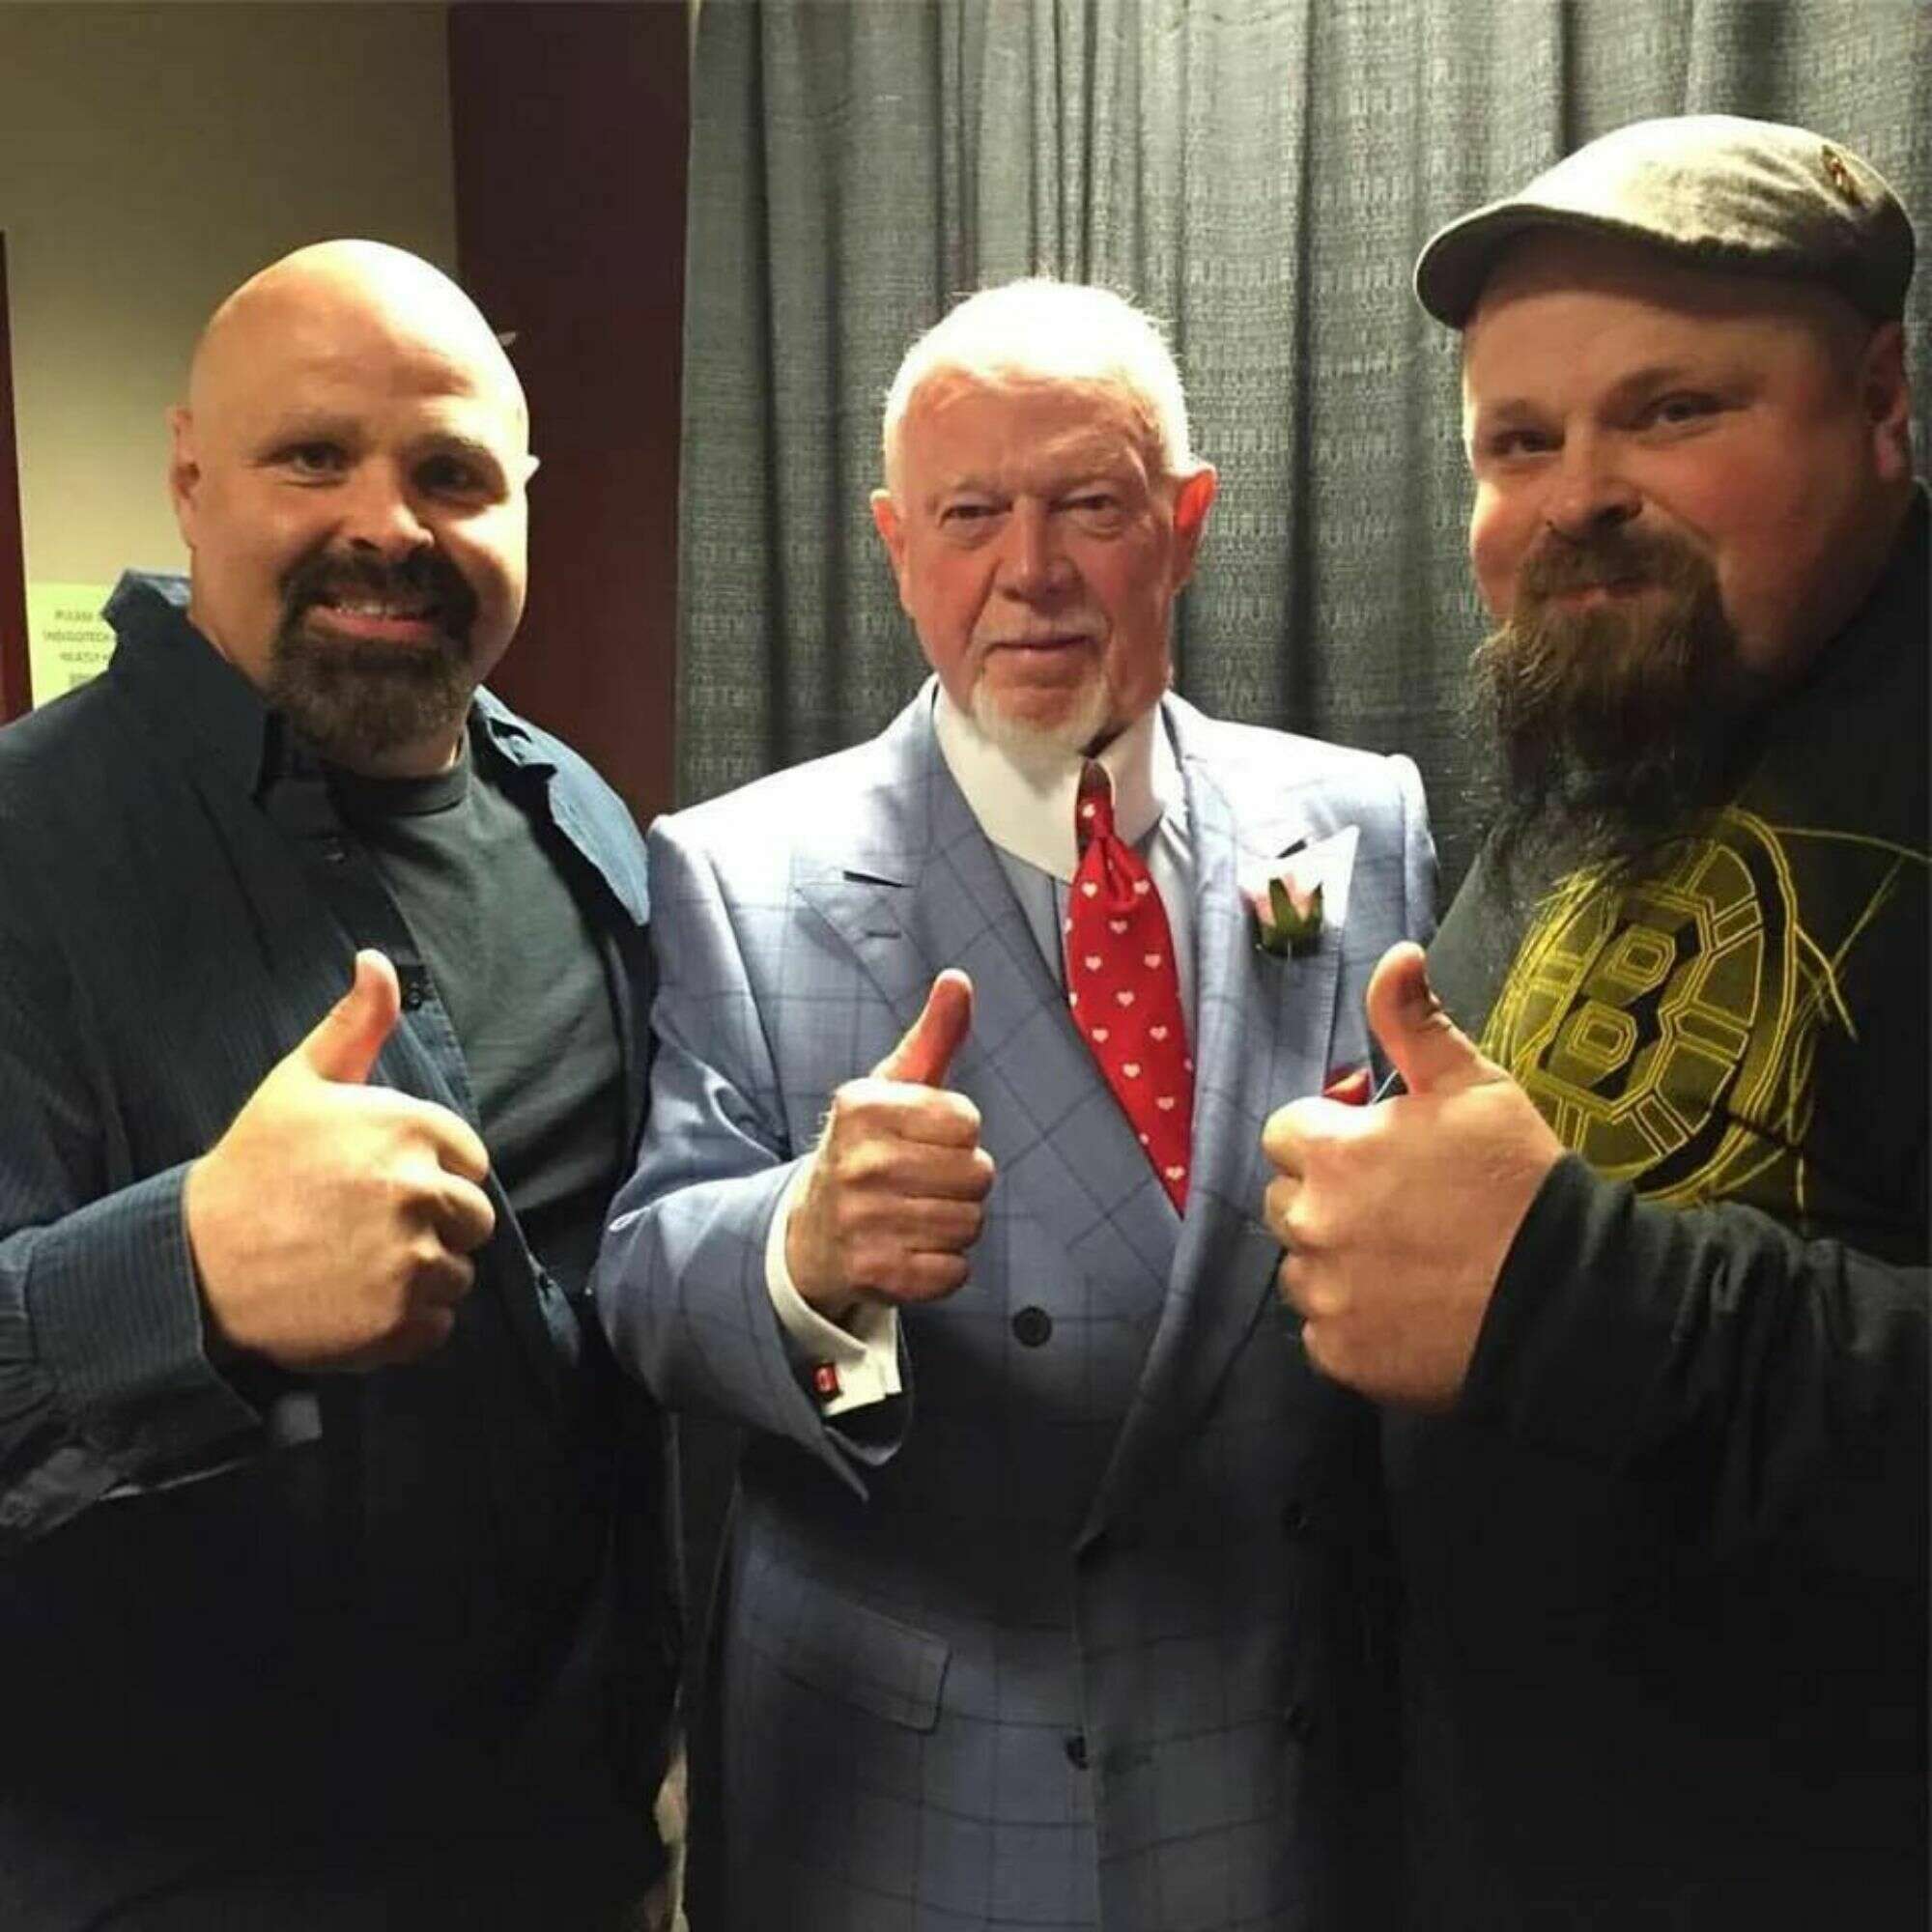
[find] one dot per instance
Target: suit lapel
(918, 887)
(1263, 1027)
(922, 890)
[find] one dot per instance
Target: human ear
(184, 471)
(1885, 400)
(1193, 498)
(891, 530)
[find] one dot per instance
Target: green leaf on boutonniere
(1290, 931)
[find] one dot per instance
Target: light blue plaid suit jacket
(1076, 1632)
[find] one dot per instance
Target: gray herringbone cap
(1706, 188)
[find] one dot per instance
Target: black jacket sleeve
(1791, 1374)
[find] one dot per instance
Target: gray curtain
(1258, 173)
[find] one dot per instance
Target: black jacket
(1665, 1567)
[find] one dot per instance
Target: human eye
(967, 518)
(1515, 443)
(1098, 508)
(453, 473)
(312, 459)
(1681, 408)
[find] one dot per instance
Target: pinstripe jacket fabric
(1073, 1633)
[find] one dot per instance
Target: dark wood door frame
(570, 123)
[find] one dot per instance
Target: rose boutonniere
(1287, 918)
(1301, 895)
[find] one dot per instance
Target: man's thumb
(1431, 1052)
(344, 1045)
(927, 1051)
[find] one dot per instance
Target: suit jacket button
(1032, 1326)
(1298, 1721)
(1293, 1517)
(1076, 1750)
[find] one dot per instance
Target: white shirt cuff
(852, 1364)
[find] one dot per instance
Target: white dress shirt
(1024, 803)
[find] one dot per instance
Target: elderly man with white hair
(1054, 1574)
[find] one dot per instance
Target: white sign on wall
(68, 640)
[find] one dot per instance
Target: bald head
(348, 474)
(332, 285)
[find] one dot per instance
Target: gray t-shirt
(520, 975)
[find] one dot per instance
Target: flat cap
(1711, 189)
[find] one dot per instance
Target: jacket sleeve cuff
(117, 1325)
(849, 1365)
(1579, 1329)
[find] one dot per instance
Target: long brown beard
(354, 699)
(1619, 723)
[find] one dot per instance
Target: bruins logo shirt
(1748, 1022)
(1674, 1029)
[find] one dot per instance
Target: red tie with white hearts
(1122, 988)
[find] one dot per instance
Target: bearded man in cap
(1641, 1277)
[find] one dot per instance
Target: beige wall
(150, 156)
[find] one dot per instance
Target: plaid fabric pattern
(1070, 1635)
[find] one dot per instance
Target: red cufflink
(1352, 1090)
(824, 1381)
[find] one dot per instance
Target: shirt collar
(1024, 799)
(177, 669)
(177, 666)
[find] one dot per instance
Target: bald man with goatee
(332, 1593)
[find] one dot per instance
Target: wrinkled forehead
(1029, 414)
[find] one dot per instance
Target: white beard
(1084, 720)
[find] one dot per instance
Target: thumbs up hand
(893, 1194)
(1395, 1218)
(923, 1057)
(331, 1225)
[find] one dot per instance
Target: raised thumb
(927, 1051)
(345, 1044)
(1431, 1052)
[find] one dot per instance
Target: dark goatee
(1621, 723)
(356, 699)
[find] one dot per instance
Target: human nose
(1589, 491)
(1033, 564)
(378, 515)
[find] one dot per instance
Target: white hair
(1053, 331)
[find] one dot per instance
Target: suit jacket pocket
(858, 1655)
